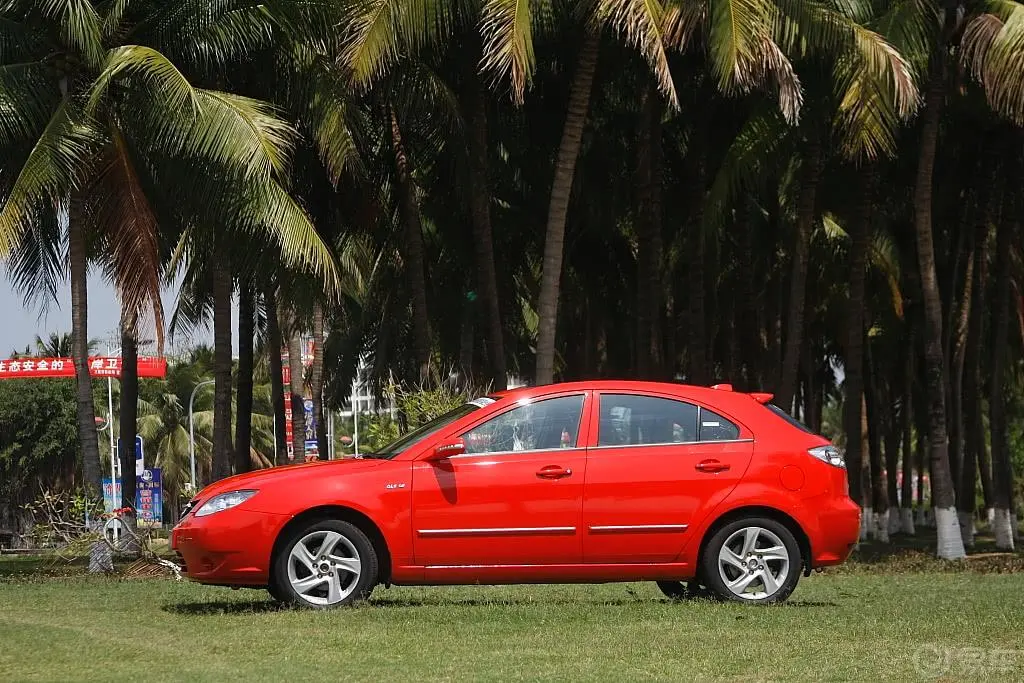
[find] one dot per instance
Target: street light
(191, 432)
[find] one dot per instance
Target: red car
(582, 482)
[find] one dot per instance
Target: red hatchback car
(581, 482)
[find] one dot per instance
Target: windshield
(788, 418)
(423, 431)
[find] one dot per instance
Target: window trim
(580, 427)
(595, 421)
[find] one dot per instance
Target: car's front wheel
(327, 563)
(754, 560)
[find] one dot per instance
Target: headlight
(829, 454)
(224, 501)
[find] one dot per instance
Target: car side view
(583, 482)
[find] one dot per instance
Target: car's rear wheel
(328, 563)
(754, 560)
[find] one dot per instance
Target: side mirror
(446, 449)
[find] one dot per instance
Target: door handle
(554, 472)
(711, 466)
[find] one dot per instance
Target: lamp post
(114, 456)
(191, 432)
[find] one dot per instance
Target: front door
(659, 466)
(513, 498)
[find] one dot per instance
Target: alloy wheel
(324, 567)
(753, 563)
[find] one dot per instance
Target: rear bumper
(838, 532)
(229, 548)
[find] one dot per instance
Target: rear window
(788, 418)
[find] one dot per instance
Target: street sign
(139, 466)
(149, 497)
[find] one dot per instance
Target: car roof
(716, 393)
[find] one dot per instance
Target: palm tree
(111, 133)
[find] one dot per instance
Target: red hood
(254, 480)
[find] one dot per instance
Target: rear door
(657, 465)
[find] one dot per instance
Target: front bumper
(230, 548)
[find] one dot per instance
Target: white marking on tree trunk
(907, 518)
(882, 526)
(990, 515)
(894, 519)
(947, 526)
(1002, 527)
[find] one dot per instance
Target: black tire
(354, 542)
(678, 590)
(709, 563)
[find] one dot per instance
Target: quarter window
(714, 427)
(631, 420)
(538, 425)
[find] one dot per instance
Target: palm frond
(131, 231)
(79, 24)
(379, 31)
(53, 169)
(993, 50)
(641, 23)
(155, 71)
(507, 30)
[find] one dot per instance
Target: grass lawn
(866, 622)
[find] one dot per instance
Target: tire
(308, 574)
(678, 590)
(730, 557)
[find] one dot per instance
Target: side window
(540, 425)
(714, 427)
(630, 420)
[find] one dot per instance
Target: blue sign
(149, 497)
(139, 466)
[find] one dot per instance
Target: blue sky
(20, 324)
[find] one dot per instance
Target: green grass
(866, 623)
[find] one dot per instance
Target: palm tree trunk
(893, 433)
(950, 544)
(413, 251)
(906, 415)
(853, 353)
(246, 362)
(483, 241)
(558, 208)
(962, 382)
(1002, 472)
(699, 373)
(129, 418)
(86, 413)
(317, 381)
(879, 497)
(275, 351)
(649, 240)
(296, 370)
(958, 339)
(807, 205)
(222, 451)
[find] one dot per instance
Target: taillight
(828, 454)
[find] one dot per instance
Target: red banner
(99, 366)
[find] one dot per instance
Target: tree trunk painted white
(966, 520)
(907, 518)
(867, 521)
(990, 515)
(882, 526)
(1002, 527)
(950, 543)
(894, 519)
